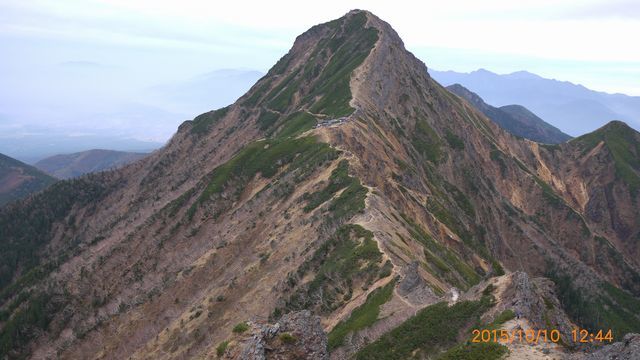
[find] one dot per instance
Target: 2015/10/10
(533, 336)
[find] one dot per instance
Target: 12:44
(584, 336)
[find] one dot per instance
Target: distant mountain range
(18, 179)
(572, 108)
(35, 147)
(66, 166)
(151, 113)
(516, 119)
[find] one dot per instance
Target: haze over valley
(80, 77)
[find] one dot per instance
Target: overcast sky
(94, 55)
(592, 42)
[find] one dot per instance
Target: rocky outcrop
(627, 349)
(532, 299)
(414, 288)
(296, 335)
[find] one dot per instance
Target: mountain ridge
(570, 107)
(65, 166)
(18, 180)
(516, 119)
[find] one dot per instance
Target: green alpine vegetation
(442, 262)
(221, 348)
(18, 180)
(502, 318)
(363, 316)
(266, 157)
(454, 140)
(348, 259)
(460, 199)
(612, 308)
(287, 338)
(426, 141)
(327, 73)
(267, 118)
(349, 202)
(350, 48)
(27, 321)
(431, 330)
(240, 328)
(295, 124)
(475, 351)
(624, 145)
(338, 180)
(26, 229)
(201, 124)
(483, 350)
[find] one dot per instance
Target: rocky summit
(347, 206)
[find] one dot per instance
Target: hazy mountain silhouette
(18, 180)
(66, 166)
(572, 108)
(516, 119)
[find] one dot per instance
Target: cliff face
(269, 208)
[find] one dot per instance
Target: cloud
(84, 64)
(114, 23)
(566, 29)
(621, 9)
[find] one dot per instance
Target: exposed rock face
(532, 299)
(414, 288)
(627, 349)
(297, 335)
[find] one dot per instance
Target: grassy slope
(326, 75)
(624, 145)
(431, 330)
(349, 258)
(363, 316)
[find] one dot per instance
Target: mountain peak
(359, 11)
(522, 74)
(618, 124)
(314, 76)
(482, 71)
(616, 128)
(623, 143)
(467, 94)
(354, 62)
